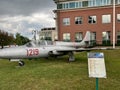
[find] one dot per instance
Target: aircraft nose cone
(4, 53)
(1, 53)
(13, 53)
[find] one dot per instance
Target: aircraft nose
(2, 53)
(14, 53)
(6, 53)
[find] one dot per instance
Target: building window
(77, 4)
(78, 36)
(99, 2)
(106, 38)
(65, 5)
(48, 35)
(92, 19)
(106, 18)
(118, 37)
(109, 2)
(106, 2)
(106, 35)
(66, 21)
(90, 3)
(78, 20)
(95, 2)
(66, 37)
(72, 4)
(59, 6)
(118, 17)
(85, 3)
(118, 1)
(93, 38)
(80, 4)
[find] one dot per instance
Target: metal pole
(34, 33)
(113, 23)
(97, 84)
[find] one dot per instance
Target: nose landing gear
(21, 63)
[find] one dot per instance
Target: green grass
(59, 74)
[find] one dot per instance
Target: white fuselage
(28, 52)
(36, 49)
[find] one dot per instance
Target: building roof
(49, 28)
(81, 4)
(56, 1)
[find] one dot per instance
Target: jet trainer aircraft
(37, 49)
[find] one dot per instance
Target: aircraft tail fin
(87, 36)
(87, 39)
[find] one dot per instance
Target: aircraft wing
(82, 49)
(64, 50)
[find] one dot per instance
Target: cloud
(25, 7)
(23, 16)
(25, 24)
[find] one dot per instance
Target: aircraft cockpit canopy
(39, 43)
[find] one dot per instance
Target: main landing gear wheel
(21, 63)
(71, 57)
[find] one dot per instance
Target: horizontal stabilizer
(14, 60)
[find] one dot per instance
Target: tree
(20, 40)
(6, 38)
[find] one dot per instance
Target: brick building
(75, 17)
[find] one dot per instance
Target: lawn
(59, 74)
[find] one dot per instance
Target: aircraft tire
(21, 63)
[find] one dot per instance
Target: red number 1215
(32, 52)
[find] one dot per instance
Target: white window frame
(66, 21)
(107, 17)
(66, 36)
(93, 35)
(106, 35)
(118, 18)
(78, 36)
(118, 34)
(78, 19)
(92, 19)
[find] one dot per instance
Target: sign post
(96, 66)
(97, 83)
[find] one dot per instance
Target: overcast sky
(23, 16)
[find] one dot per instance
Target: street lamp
(113, 23)
(34, 32)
